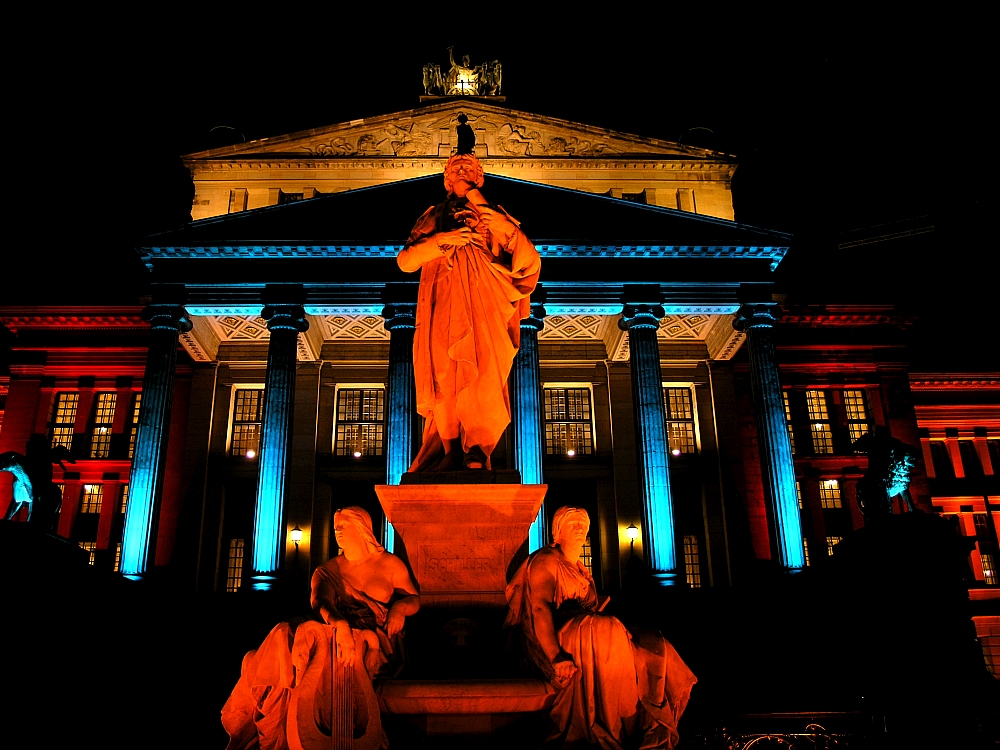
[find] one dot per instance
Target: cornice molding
(954, 382)
(108, 321)
(844, 321)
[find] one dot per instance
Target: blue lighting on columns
(150, 456)
(403, 422)
(658, 535)
(285, 322)
(777, 465)
(526, 415)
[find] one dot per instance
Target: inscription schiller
(461, 566)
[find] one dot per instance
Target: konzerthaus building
(661, 384)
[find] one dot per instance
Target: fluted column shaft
(777, 465)
(150, 456)
(284, 322)
(658, 534)
(402, 420)
(526, 415)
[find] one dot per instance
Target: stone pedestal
(461, 539)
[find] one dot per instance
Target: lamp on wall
(633, 533)
(296, 536)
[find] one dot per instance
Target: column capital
(400, 315)
(536, 318)
(285, 317)
(756, 315)
(641, 316)
(167, 317)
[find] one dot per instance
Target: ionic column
(526, 415)
(777, 465)
(150, 457)
(402, 420)
(658, 536)
(285, 322)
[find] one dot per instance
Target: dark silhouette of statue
(33, 487)
(466, 136)
(890, 467)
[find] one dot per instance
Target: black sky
(837, 121)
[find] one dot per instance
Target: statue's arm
(541, 596)
(408, 602)
(323, 599)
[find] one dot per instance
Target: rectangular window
(587, 556)
(635, 197)
(857, 413)
(90, 500)
(679, 408)
(943, 467)
(829, 493)
(248, 407)
(981, 522)
(989, 568)
(970, 459)
(692, 565)
(63, 419)
(805, 550)
(993, 448)
(831, 542)
(788, 421)
(124, 504)
(819, 422)
(568, 428)
(134, 428)
(234, 568)
(90, 547)
(100, 431)
(118, 556)
(798, 492)
(360, 422)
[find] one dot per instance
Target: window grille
(360, 422)
(857, 413)
(124, 504)
(104, 417)
(805, 550)
(798, 492)
(587, 556)
(831, 542)
(248, 407)
(819, 422)
(829, 493)
(568, 428)
(692, 565)
(90, 500)
(63, 417)
(788, 422)
(989, 568)
(680, 419)
(90, 547)
(118, 556)
(134, 429)
(234, 568)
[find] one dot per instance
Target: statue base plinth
(462, 541)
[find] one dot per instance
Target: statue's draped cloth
(468, 329)
(256, 714)
(627, 681)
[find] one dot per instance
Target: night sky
(837, 122)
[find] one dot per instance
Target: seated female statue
(612, 683)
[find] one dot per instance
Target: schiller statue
(477, 273)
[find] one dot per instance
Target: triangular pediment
(430, 131)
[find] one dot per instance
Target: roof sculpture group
(462, 79)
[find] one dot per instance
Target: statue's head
(890, 461)
(570, 524)
(462, 173)
(352, 527)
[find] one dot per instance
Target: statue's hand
(564, 672)
(460, 238)
(344, 639)
(394, 623)
(497, 223)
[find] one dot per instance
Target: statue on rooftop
(462, 79)
(614, 685)
(33, 486)
(309, 685)
(477, 272)
(890, 467)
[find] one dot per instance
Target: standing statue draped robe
(469, 311)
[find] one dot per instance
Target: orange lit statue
(614, 686)
(309, 685)
(477, 272)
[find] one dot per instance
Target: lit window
(134, 429)
(118, 556)
(829, 493)
(124, 505)
(63, 418)
(587, 556)
(805, 550)
(90, 500)
(788, 421)
(857, 413)
(680, 420)
(819, 422)
(989, 569)
(692, 566)
(248, 407)
(360, 422)
(568, 429)
(831, 542)
(100, 432)
(798, 492)
(90, 547)
(234, 569)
